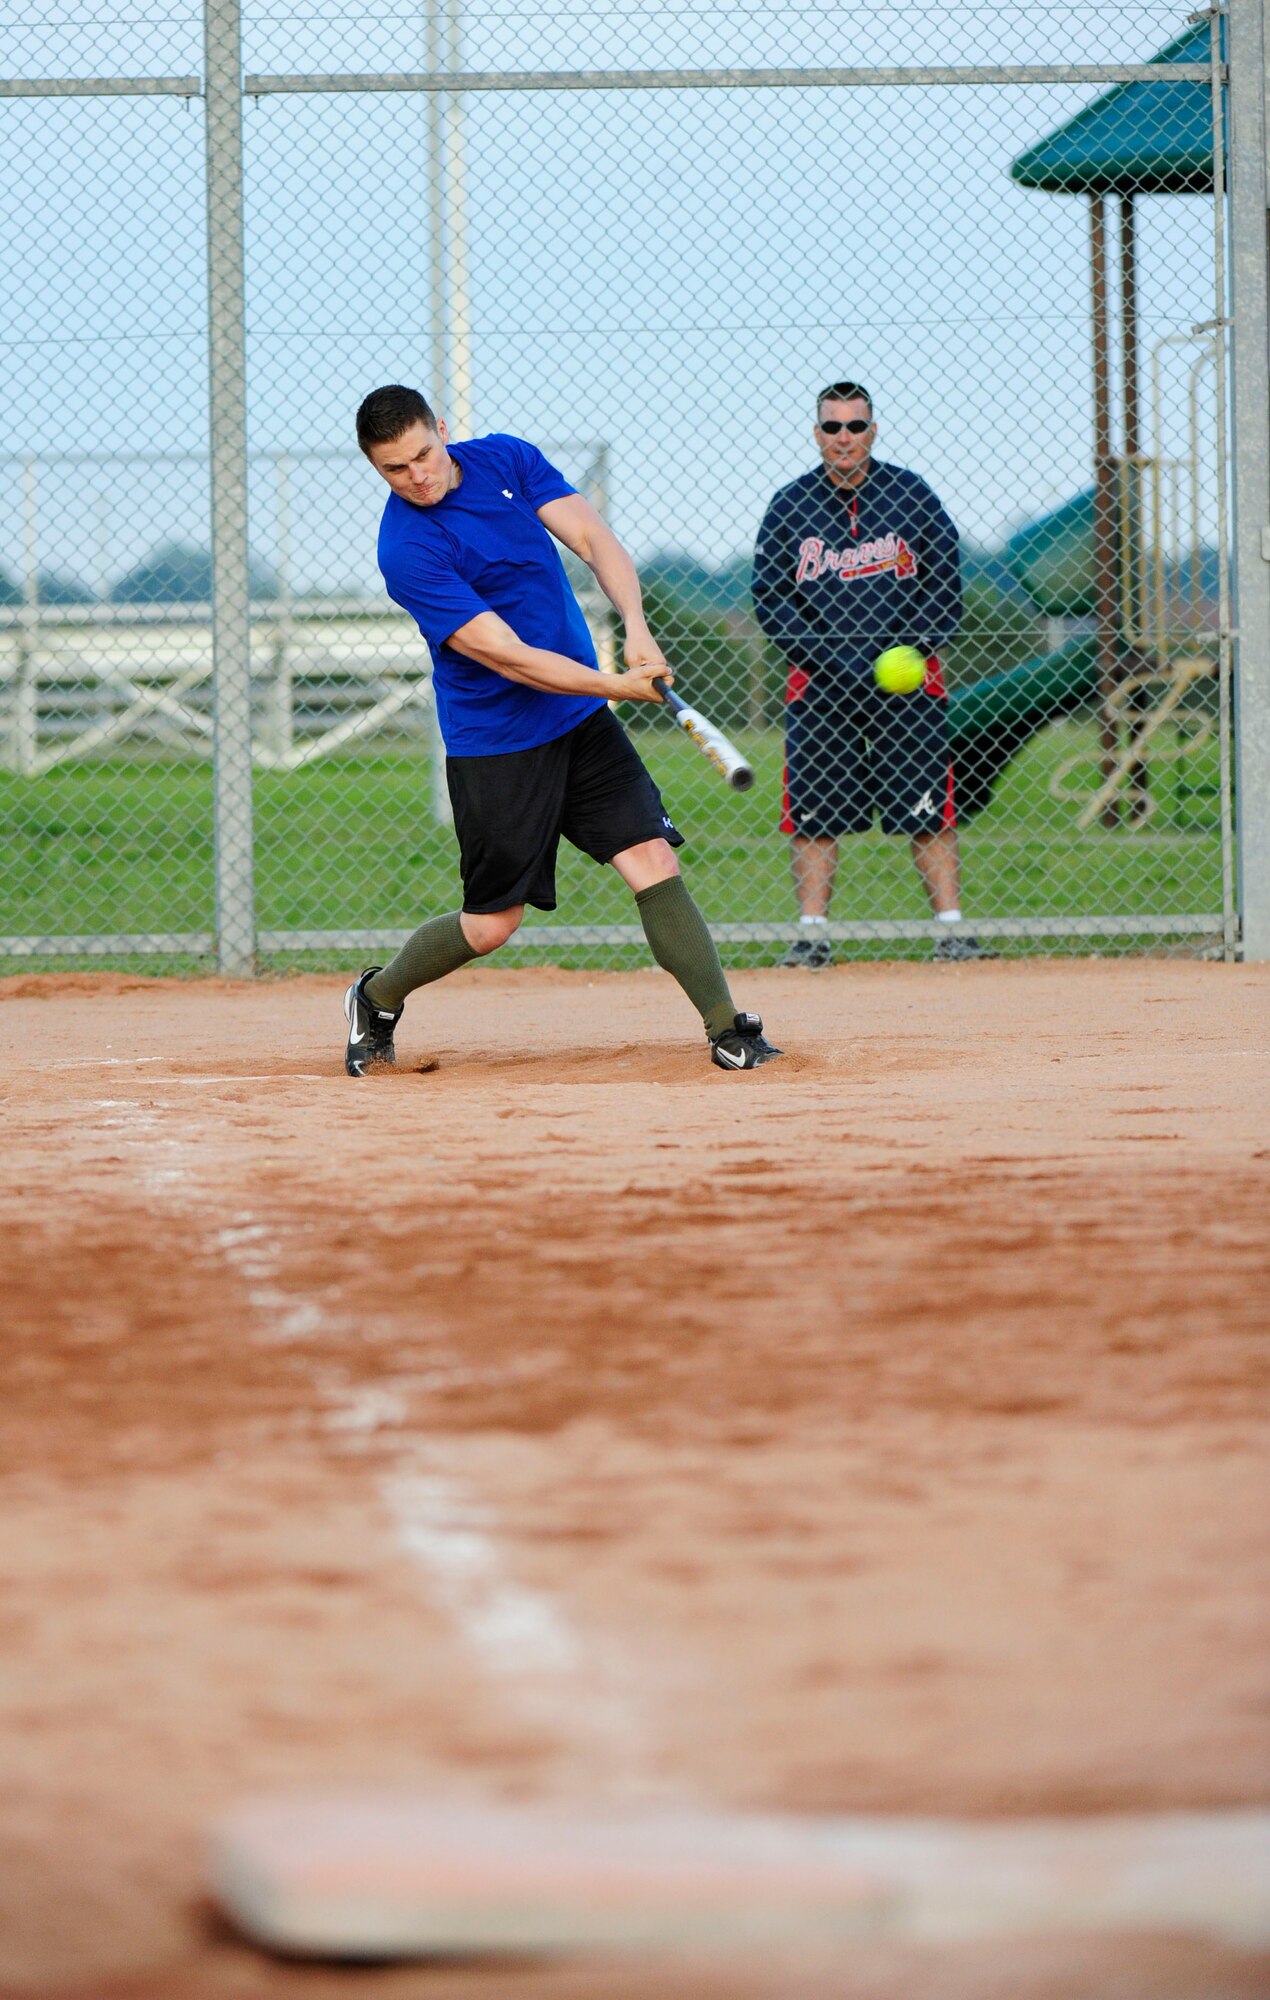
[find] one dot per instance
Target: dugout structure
(237, 224)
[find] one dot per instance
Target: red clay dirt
(884, 1431)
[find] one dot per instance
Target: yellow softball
(899, 670)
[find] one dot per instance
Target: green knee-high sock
(436, 948)
(683, 947)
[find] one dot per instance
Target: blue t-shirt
(483, 548)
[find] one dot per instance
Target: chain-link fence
(644, 238)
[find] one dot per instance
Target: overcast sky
(670, 273)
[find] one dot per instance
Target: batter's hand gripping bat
(711, 742)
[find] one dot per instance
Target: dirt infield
(883, 1431)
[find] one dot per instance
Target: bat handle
(668, 695)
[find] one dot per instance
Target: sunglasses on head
(856, 425)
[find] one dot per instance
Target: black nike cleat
(813, 954)
(961, 951)
(742, 1046)
(370, 1029)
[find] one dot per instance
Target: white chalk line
(511, 1629)
(239, 1076)
(102, 1062)
(260, 1076)
(520, 1637)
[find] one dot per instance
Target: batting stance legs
(510, 812)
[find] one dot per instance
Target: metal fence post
(283, 698)
(458, 294)
(26, 694)
(438, 391)
(231, 611)
(1249, 203)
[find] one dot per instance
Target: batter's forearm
(575, 522)
(553, 673)
(491, 642)
(618, 578)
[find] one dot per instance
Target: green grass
(350, 843)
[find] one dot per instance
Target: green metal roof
(1053, 559)
(1140, 138)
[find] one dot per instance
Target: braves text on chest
(891, 552)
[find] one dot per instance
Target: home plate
(374, 1876)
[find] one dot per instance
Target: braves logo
(890, 553)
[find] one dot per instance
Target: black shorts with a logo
(854, 752)
(510, 811)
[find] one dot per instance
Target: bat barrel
(725, 757)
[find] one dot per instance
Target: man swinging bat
(533, 750)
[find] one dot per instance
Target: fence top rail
(453, 81)
(101, 86)
(730, 79)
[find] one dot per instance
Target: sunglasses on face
(856, 425)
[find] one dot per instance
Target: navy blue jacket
(842, 573)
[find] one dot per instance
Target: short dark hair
(844, 392)
(388, 413)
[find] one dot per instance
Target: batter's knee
(643, 866)
(485, 930)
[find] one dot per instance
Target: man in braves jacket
(852, 558)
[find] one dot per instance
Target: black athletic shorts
(854, 752)
(510, 811)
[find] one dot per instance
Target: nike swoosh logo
(355, 1034)
(733, 1062)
